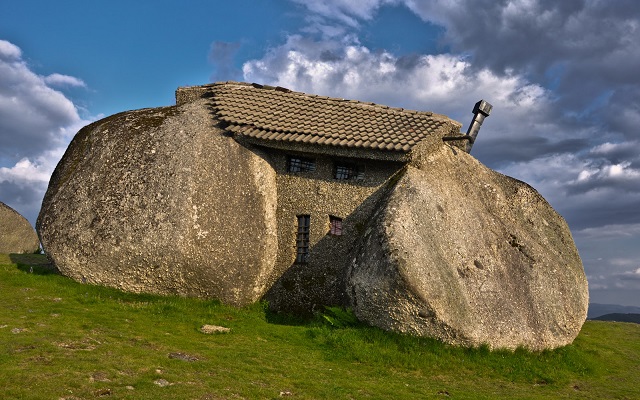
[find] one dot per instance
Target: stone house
(242, 192)
(333, 159)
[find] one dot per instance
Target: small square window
(299, 164)
(345, 172)
(336, 225)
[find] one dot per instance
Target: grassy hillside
(635, 318)
(63, 340)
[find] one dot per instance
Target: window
(299, 164)
(348, 171)
(302, 239)
(336, 225)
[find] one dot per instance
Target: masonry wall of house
(188, 94)
(302, 285)
(320, 217)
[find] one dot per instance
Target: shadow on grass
(34, 263)
(336, 317)
(279, 318)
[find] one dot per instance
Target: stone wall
(188, 94)
(321, 281)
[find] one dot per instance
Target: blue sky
(562, 77)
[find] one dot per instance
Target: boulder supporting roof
(281, 118)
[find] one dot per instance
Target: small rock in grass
(102, 392)
(183, 357)
(161, 382)
(209, 329)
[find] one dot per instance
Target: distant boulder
(467, 255)
(16, 233)
(158, 200)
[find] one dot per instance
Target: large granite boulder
(467, 255)
(158, 200)
(16, 233)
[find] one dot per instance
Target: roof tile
(275, 114)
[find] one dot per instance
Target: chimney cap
(483, 107)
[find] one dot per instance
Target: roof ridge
(317, 96)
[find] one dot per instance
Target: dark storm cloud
(26, 199)
(517, 149)
(586, 51)
(622, 112)
(537, 35)
(583, 211)
(630, 275)
(618, 153)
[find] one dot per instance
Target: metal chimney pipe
(481, 110)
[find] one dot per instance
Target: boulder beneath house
(467, 255)
(158, 200)
(16, 233)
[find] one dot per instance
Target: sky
(563, 78)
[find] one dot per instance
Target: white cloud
(64, 80)
(26, 172)
(32, 114)
(444, 83)
(9, 51)
(613, 172)
(36, 124)
(346, 12)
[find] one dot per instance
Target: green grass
(63, 340)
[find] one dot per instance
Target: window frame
(336, 226)
(345, 171)
(302, 238)
(297, 164)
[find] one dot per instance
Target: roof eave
(334, 151)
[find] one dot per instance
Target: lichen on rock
(470, 256)
(158, 200)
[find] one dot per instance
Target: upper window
(348, 171)
(299, 164)
(336, 225)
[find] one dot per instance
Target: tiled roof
(281, 115)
